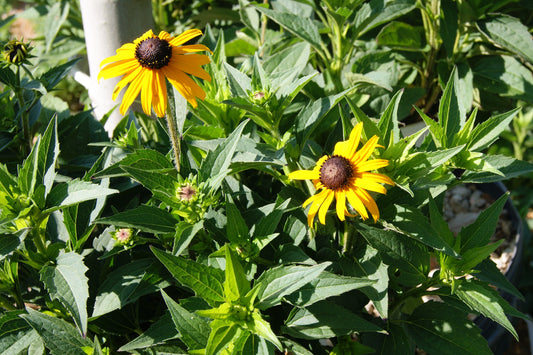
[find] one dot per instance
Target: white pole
(108, 24)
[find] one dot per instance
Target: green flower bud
(16, 52)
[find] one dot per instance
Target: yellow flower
(346, 176)
(150, 59)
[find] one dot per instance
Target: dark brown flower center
(153, 53)
(336, 172)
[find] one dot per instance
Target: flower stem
(173, 131)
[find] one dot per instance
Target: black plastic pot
(498, 337)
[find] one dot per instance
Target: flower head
(150, 59)
(346, 177)
(123, 235)
(16, 52)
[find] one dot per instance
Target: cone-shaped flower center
(153, 53)
(336, 172)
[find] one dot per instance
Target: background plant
(116, 251)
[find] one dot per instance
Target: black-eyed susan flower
(346, 177)
(150, 59)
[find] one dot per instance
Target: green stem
(24, 116)
(173, 132)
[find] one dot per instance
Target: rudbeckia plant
(263, 198)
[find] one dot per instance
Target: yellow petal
(317, 200)
(125, 81)
(132, 92)
(190, 64)
(369, 203)
(356, 203)
(325, 206)
(189, 48)
(303, 175)
(365, 151)
(377, 178)
(160, 94)
(147, 34)
(147, 92)
(348, 148)
(185, 37)
(340, 196)
(374, 164)
(118, 68)
(370, 185)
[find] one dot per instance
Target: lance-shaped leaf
(218, 161)
(162, 330)
(438, 328)
(326, 285)
(326, 319)
(236, 286)
(482, 298)
(205, 281)
(277, 282)
(58, 336)
(17, 336)
(66, 281)
(74, 192)
(193, 329)
(39, 166)
(149, 219)
(478, 233)
(120, 284)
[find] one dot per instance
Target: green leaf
(12, 242)
(193, 329)
(58, 336)
(52, 77)
(449, 25)
(504, 75)
(39, 166)
(369, 264)
(236, 286)
(478, 233)
(277, 282)
(309, 118)
(301, 27)
(147, 218)
(326, 285)
(400, 251)
(159, 332)
(262, 328)
(400, 35)
(218, 161)
(66, 281)
(482, 298)
(283, 67)
(74, 192)
(163, 186)
(488, 131)
(56, 17)
(145, 159)
(489, 272)
(119, 286)
(240, 84)
(508, 166)
(205, 281)
(438, 328)
(388, 123)
(223, 336)
(509, 33)
(377, 12)
(7, 76)
(326, 319)
(17, 336)
(421, 164)
(236, 228)
(413, 223)
(450, 115)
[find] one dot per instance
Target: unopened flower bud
(16, 52)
